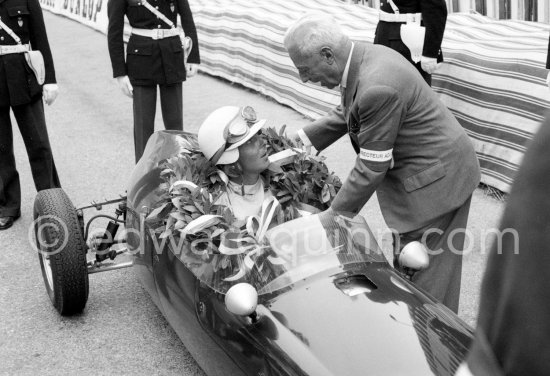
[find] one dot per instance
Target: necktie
(343, 96)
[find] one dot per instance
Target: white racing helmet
(224, 130)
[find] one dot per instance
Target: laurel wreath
(188, 207)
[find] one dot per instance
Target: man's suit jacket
(513, 327)
(149, 61)
(17, 82)
(410, 148)
(434, 17)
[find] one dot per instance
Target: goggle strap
(246, 113)
(218, 154)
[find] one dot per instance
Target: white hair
(312, 32)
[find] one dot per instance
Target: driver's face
(253, 155)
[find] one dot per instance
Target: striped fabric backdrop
(493, 78)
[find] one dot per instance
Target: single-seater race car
(309, 296)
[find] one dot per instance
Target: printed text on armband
(375, 155)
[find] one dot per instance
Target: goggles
(237, 131)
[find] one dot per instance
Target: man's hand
(301, 139)
(428, 64)
(125, 85)
(305, 148)
(338, 213)
(49, 93)
(191, 69)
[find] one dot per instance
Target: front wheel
(61, 251)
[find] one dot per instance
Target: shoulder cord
(10, 32)
(157, 13)
(393, 6)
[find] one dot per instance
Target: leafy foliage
(212, 243)
(193, 185)
(306, 180)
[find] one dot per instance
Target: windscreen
(288, 253)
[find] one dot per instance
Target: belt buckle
(157, 34)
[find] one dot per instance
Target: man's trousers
(444, 239)
(145, 105)
(32, 125)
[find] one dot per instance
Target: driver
(229, 139)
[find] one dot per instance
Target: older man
(410, 148)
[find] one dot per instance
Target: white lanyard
(10, 32)
(157, 13)
(393, 6)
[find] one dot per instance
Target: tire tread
(69, 269)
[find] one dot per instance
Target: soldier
(410, 148)
(22, 28)
(432, 14)
(155, 57)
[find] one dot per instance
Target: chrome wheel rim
(47, 270)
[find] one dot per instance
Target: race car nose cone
(241, 299)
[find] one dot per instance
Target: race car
(310, 296)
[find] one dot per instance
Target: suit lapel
(353, 76)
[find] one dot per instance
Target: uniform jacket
(434, 17)
(148, 61)
(17, 82)
(410, 148)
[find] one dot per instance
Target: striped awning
(493, 78)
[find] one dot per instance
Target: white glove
(49, 93)
(428, 64)
(125, 85)
(191, 69)
(548, 80)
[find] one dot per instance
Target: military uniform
(20, 91)
(410, 150)
(434, 17)
(151, 62)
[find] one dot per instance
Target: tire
(61, 251)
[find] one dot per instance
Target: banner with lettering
(89, 12)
